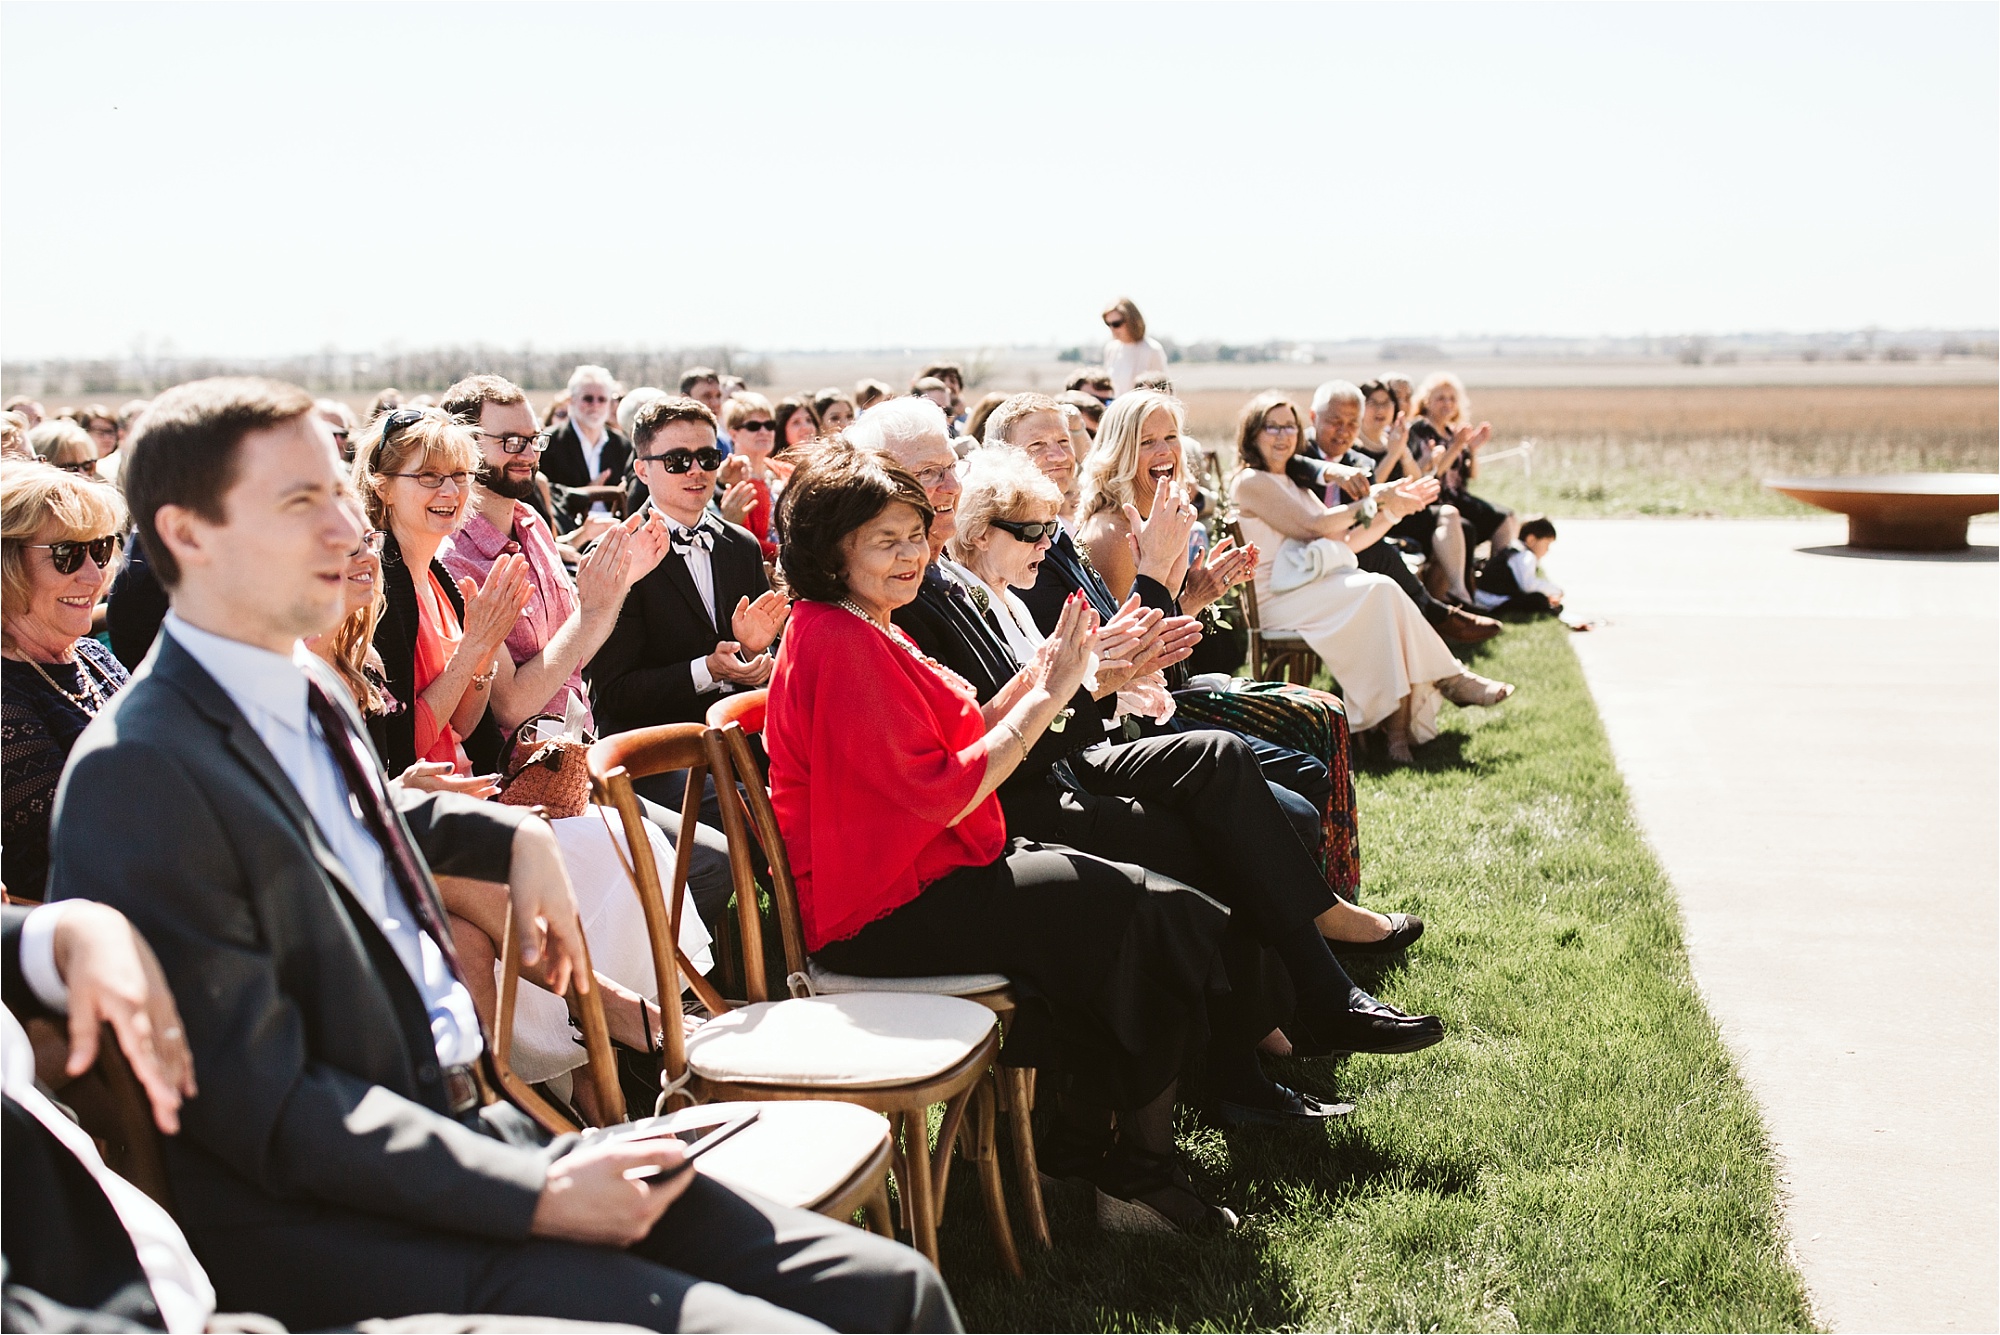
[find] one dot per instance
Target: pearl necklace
(91, 700)
(951, 679)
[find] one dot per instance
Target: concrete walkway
(1812, 740)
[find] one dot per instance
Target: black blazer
(395, 733)
(642, 677)
(322, 1118)
(70, 1263)
(951, 630)
(563, 464)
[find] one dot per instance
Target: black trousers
(1115, 965)
(1194, 806)
(719, 1260)
(1380, 558)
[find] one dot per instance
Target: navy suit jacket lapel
(1084, 577)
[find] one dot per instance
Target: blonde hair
(1000, 482)
(1432, 382)
(1113, 465)
(433, 441)
(14, 438)
(348, 647)
(1135, 323)
(31, 494)
(61, 441)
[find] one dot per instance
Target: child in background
(1512, 580)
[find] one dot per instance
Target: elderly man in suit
(586, 451)
(345, 1157)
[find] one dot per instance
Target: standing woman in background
(1130, 354)
(1447, 447)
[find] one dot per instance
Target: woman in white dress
(1129, 354)
(1391, 666)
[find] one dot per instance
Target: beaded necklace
(952, 679)
(91, 700)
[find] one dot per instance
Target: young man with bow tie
(702, 623)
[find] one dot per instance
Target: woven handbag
(553, 775)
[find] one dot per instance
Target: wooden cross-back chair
(736, 717)
(830, 1158)
(1280, 655)
(846, 1058)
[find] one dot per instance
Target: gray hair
(590, 375)
(895, 423)
(1336, 389)
(634, 400)
(1000, 483)
(1000, 423)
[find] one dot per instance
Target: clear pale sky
(272, 179)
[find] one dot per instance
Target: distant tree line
(427, 370)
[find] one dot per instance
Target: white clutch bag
(1300, 563)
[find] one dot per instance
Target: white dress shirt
(181, 1288)
(270, 689)
(701, 569)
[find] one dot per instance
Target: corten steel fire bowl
(1900, 512)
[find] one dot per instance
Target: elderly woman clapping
(884, 767)
(59, 543)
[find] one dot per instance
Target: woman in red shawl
(883, 771)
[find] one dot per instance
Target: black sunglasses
(761, 424)
(1027, 532)
(708, 459)
(401, 418)
(67, 556)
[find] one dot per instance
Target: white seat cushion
(857, 1040)
(942, 984)
(796, 1153)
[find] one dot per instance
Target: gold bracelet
(1008, 724)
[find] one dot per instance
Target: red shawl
(872, 754)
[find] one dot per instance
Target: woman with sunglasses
(442, 642)
(68, 446)
(748, 420)
(59, 541)
(1129, 355)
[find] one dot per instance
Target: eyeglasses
(430, 481)
(517, 444)
(102, 429)
(1274, 429)
(708, 459)
(1030, 533)
(339, 437)
(936, 473)
(761, 424)
(67, 556)
(80, 466)
(371, 542)
(591, 398)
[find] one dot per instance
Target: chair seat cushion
(856, 1040)
(797, 1152)
(942, 985)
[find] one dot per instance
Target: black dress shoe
(1288, 1106)
(1404, 929)
(1370, 1031)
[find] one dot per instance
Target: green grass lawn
(1578, 1154)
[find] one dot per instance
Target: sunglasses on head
(708, 459)
(400, 419)
(67, 556)
(1026, 532)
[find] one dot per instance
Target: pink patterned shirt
(552, 597)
